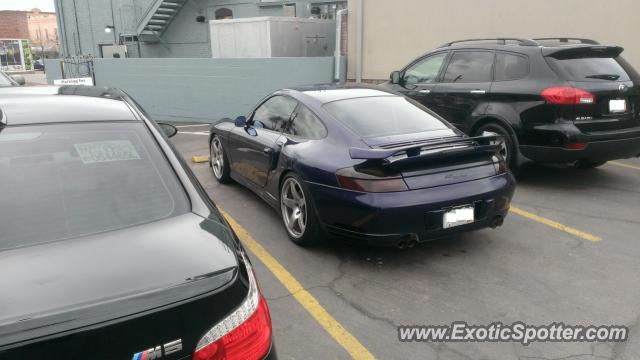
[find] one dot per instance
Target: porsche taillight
(350, 179)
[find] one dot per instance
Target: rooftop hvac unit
(265, 37)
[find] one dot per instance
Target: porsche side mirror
(240, 121)
(168, 129)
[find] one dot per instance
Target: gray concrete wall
(203, 89)
(395, 32)
(53, 69)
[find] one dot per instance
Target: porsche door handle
(478, 92)
(425, 91)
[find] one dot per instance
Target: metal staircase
(157, 19)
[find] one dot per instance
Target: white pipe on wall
(359, 36)
(338, 52)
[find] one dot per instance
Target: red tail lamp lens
(568, 95)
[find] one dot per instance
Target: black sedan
(363, 163)
(109, 247)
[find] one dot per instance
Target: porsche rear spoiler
(431, 149)
(580, 51)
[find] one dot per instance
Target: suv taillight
(568, 95)
(245, 334)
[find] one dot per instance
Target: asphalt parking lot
(568, 252)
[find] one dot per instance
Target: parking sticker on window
(105, 151)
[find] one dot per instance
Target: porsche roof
(332, 92)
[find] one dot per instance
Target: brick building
(14, 25)
(39, 27)
(43, 31)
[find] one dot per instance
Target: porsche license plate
(458, 216)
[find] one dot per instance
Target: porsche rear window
(68, 180)
(382, 116)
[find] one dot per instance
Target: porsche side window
(274, 113)
(305, 124)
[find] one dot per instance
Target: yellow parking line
(554, 224)
(328, 322)
(616, 163)
(200, 158)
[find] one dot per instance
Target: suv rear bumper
(595, 151)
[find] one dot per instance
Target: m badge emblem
(159, 351)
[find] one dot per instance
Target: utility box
(266, 37)
(114, 51)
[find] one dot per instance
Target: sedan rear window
(382, 116)
(69, 180)
(589, 69)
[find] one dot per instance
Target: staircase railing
(148, 14)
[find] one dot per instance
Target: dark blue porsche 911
(362, 163)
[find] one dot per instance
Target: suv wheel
(507, 150)
(298, 215)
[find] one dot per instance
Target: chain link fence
(77, 67)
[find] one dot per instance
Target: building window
(224, 13)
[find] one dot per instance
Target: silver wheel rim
(294, 208)
(503, 144)
(217, 157)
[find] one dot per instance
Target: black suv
(559, 100)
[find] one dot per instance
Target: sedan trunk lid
(108, 288)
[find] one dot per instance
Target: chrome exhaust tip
(407, 242)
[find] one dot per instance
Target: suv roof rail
(499, 41)
(569, 40)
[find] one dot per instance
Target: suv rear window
(68, 180)
(589, 69)
(382, 116)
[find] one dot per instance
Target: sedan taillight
(245, 334)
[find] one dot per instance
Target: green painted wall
(203, 89)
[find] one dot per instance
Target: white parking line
(205, 133)
(194, 125)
